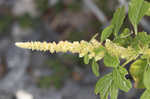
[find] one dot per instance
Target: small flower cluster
(82, 47)
(116, 50)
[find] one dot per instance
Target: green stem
(125, 63)
(132, 58)
(135, 29)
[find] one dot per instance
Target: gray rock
(6, 95)
(5, 43)
(17, 61)
(40, 93)
(73, 90)
(24, 6)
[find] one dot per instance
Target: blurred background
(26, 74)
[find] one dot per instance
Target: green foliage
(137, 10)
(114, 91)
(111, 61)
(120, 80)
(116, 23)
(141, 41)
(99, 50)
(136, 70)
(103, 86)
(115, 26)
(112, 82)
(148, 11)
(139, 70)
(118, 19)
(124, 39)
(106, 33)
(147, 77)
(146, 94)
(95, 68)
(86, 59)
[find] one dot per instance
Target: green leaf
(125, 33)
(106, 32)
(114, 91)
(124, 39)
(95, 68)
(142, 40)
(111, 61)
(148, 11)
(118, 19)
(106, 86)
(99, 50)
(137, 70)
(103, 86)
(137, 10)
(147, 77)
(146, 94)
(102, 82)
(86, 59)
(120, 80)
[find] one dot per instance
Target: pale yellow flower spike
(116, 50)
(82, 47)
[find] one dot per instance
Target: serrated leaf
(111, 61)
(95, 68)
(118, 19)
(106, 32)
(106, 86)
(120, 80)
(114, 91)
(137, 70)
(102, 82)
(137, 9)
(146, 94)
(86, 59)
(103, 85)
(147, 77)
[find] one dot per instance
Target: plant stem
(135, 29)
(132, 58)
(125, 63)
